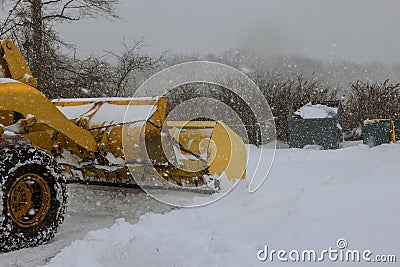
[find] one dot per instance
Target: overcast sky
(356, 30)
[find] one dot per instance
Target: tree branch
(51, 2)
(59, 16)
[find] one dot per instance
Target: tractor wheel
(33, 197)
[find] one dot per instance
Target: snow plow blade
(215, 142)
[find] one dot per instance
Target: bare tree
(129, 61)
(371, 100)
(31, 24)
(112, 74)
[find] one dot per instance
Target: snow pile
(313, 147)
(368, 122)
(310, 200)
(317, 111)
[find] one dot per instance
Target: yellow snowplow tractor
(132, 139)
(119, 141)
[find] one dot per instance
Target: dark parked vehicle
(315, 124)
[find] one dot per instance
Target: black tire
(33, 197)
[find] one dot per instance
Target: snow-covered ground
(89, 208)
(311, 199)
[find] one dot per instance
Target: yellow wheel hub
(29, 200)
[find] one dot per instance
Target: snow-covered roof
(316, 111)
